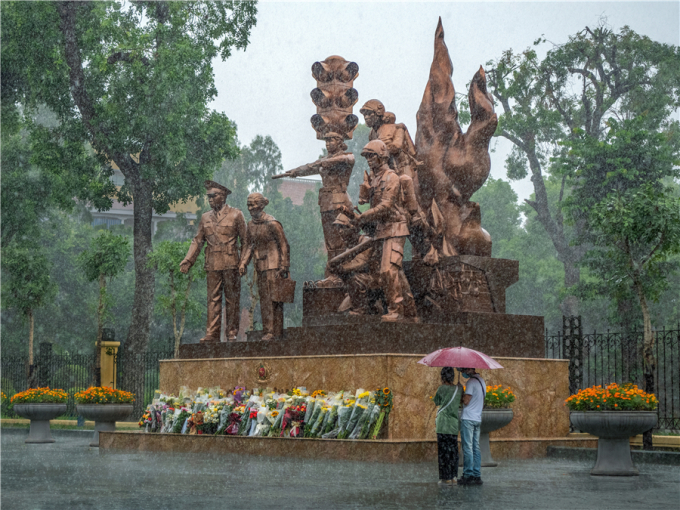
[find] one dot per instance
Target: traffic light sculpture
(334, 97)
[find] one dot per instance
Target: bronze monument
(451, 289)
(224, 228)
(267, 242)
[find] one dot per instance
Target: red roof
(295, 189)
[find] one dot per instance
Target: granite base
(540, 385)
(495, 334)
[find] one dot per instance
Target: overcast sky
(265, 89)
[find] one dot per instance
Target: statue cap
(212, 184)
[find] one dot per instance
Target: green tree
(177, 299)
(26, 286)
(629, 216)
(635, 234)
(106, 258)
(129, 84)
(597, 74)
(500, 211)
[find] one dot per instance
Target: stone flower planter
(613, 430)
(492, 419)
(104, 416)
(40, 416)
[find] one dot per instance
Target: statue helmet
(373, 106)
(376, 147)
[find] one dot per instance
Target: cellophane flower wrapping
(344, 413)
(311, 403)
(359, 408)
(262, 422)
(373, 413)
(314, 431)
(361, 417)
(309, 422)
(224, 418)
(233, 425)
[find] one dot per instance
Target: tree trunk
(32, 383)
(180, 332)
(100, 331)
(142, 309)
(648, 354)
(572, 277)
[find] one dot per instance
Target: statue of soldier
(267, 242)
(224, 228)
(335, 170)
(386, 218)
(357, 274)
(403, 161)
(395, 137)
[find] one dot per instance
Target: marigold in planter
(627, 397)
(498, 398)
(40, 396)
(104, 395)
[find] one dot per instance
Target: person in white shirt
(470, 422)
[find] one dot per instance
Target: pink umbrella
(460, 357)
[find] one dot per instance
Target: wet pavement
(70, 475)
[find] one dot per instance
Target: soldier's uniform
(222, 230)
(267, 243)
(389, 220)
(403, 161)
(395, 137)
(335, 172)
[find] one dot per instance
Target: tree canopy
(129, 85)
(598, 74)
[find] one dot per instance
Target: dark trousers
(228, 282)
(447, 447)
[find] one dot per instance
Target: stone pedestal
(541, 386)
(492, 333)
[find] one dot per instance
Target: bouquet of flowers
(344, 414)
(145, 420)
(383, 399)
(293, 417)
(179, 423)
(233, 425)
(373, 413)
(224, 418)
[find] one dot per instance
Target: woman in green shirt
(448, 398)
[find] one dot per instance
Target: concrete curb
(590, 454)
(55, 432)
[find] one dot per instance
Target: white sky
(265, 89)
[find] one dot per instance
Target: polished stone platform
(389, 451)
(540, 386)
(495, 334)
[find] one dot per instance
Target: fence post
(573, 350)
(44, 364)
(109, 357)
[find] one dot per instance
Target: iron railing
(75, 372)
(608, 357)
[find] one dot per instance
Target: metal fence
(75, 372)
(607, 357)
(140, 374)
